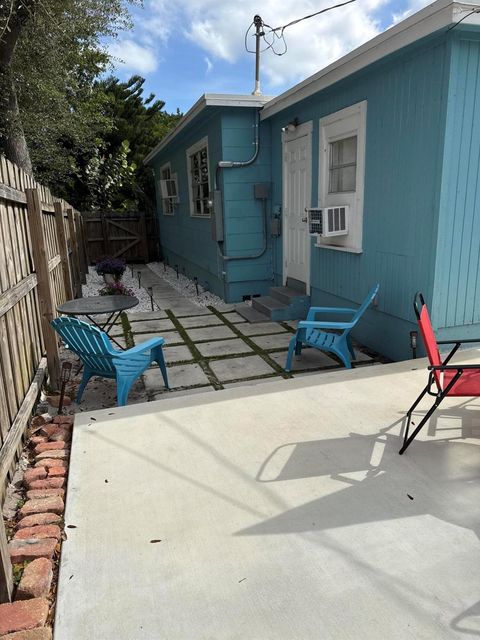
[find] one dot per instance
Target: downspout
(231, 164)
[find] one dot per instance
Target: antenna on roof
(259, 33)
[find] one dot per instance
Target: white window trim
(190, 151)
(355, 123)
(173, 176)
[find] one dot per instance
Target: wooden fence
(132, 236)
(42, 264)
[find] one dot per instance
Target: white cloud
(219, 28)
(412, 7)
(133, 57)
(209, 64)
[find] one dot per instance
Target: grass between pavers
(198, 358)
(255, 348)
(127, 330)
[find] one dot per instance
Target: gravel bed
(95, 283)
(186, 286)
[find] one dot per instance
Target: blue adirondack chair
(310, 332)
(101, 359)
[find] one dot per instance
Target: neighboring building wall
(245, 223)
(456, 307)
(406, 114)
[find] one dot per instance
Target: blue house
(368, 171)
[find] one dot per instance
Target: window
(168, 189)
(343, 165)
(198, 179)
(341, 174)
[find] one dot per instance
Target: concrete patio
(276, 512)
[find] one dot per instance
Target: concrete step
(251, 314)
(285, 294)
(267, 305)
(292, 283)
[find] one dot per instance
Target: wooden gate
(121, 235)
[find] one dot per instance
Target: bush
(114, 266)
(116, 289)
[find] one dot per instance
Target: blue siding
(456, 308)
(244, 216)
(186, 240)
(406, 111)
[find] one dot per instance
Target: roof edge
(208, 100)
(434, 17)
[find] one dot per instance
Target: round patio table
(96, 305)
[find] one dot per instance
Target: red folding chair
(444, 379)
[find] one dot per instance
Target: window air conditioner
(328, 222)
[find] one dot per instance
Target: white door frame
(304, 129)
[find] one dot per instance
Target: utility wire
(274, 37)
(312, 15)
(462, 19)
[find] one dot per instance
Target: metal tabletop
(94, 305)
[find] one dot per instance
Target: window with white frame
(168, 189)
(199, 179)
(341, 178)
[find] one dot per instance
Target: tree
(50, 51)
(142, 122)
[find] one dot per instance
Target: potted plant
(112, 269)
(116, 289)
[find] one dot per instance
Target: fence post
(62, 244)
(82, 250)
(77, 285)
(143, 240)
(44, 288)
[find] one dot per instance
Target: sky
(185, 48)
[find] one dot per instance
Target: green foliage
(142, 123)
(86, 137)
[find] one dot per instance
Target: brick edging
(37, 530)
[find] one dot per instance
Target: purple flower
(115, 266)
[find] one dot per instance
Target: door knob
(304, 219)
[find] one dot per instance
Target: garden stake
(176, 269)
(196, 283)
(64, 378)
(150, 293)
(139, 276)
(131, 268)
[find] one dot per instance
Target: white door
(297, 173)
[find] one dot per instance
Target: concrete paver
(275, 341)
(180, 375)
(210, 333)
(260, 328)
(146, 315)
(244, 367)
(310, 359)
(152, 326)
(281, 511)
(223, 347)
(234, 317)
(176, 353)
(200, 321)
(171, 337)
